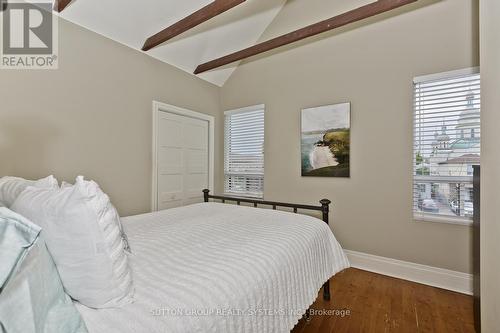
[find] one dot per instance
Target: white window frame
(436, 179)
(229, 113)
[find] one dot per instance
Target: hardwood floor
(378, 303)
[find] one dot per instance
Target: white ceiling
(131, 22)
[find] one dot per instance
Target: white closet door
(183, 157)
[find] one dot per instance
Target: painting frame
(325, 140)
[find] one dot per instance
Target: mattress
(214, 267)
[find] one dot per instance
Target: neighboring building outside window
(244, 152)
(447, 143)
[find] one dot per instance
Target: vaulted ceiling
(131, 22)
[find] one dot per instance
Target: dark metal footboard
(324, 208)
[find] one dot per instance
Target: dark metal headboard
(324, 208)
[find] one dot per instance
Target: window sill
(444, 219)
(243, 196)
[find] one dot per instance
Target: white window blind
(244, 152)
(447, 137)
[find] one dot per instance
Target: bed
(214, 267)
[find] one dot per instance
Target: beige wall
(93, 116)
(371, 65)
(490, 173)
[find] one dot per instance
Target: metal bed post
(325, 208)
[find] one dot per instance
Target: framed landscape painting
(325, 141)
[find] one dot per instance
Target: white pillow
(99, 195)
(11, 187)
(83, 236)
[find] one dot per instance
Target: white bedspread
(221, 268)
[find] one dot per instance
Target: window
(447, 138)
(244, 152)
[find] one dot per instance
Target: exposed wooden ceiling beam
(59, 5)
(352, 16)
(206, 13)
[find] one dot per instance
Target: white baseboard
(432, 276)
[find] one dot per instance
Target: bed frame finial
(205, 194)
(325, 208)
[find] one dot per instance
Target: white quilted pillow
(11, 187)
(82, 232)
(96, 192)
